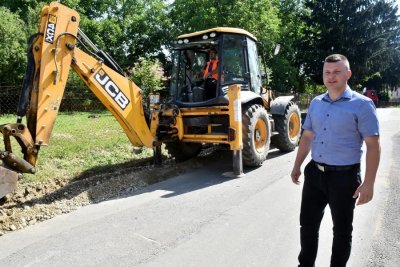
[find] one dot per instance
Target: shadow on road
(132, 178)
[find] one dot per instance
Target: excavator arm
(52, 53)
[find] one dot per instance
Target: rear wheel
(182, 151)
(289, 128)
(256, 135)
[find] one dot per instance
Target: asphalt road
(205, 218)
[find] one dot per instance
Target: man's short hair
(336, 58)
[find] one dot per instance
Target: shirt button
(327, 115)
(320, 156)
(322, 142)
(324, 129)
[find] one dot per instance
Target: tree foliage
(286, 72)
(367, 32)
(260, 17)
(147, 74)
(128, 30)
(12, 51)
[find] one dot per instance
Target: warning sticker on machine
(237, 109)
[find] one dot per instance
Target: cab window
(255, 73)
(233, 60)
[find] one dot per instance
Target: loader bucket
(8, 181)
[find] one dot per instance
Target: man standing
(336, 125)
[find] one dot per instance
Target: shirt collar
(347, 93)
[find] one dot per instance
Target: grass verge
(81, 142)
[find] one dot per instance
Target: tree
(147, 74)
(286, 69)
(13, 48)
(260, 17)
(367, 32)
(127, 30)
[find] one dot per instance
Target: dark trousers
(336, 189)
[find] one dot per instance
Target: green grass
(80, 143)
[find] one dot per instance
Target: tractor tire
(289, 128)
(256, 135)
(182, 151)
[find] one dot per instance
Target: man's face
(335, 75)
(213, 54)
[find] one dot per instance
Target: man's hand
(365, 192)
(296, 175)
(302, 152)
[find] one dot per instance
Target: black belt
(332, 168)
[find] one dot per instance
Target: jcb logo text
(112, 89)
(51, 29)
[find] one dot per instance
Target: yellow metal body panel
(235, 116)
(180, 126)
(54, 63)
(154, 121)
(119, 95)
(219, 29)
(206, 138)
(202, 111)
(233, 111)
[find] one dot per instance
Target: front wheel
(289, 128)
(256, 135)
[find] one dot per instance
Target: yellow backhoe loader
(229, 107)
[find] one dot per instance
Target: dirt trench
(33, 203)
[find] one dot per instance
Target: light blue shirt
(340, 126)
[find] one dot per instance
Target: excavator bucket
(10, 164)
(8, 181)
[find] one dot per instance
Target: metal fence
(81, 99)
(8, 99)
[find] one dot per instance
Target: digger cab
(199, 78)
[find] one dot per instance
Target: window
(185, 65)
(255, 73)
(233, 60)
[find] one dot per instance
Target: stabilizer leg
(237, 163)
(157, 156)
